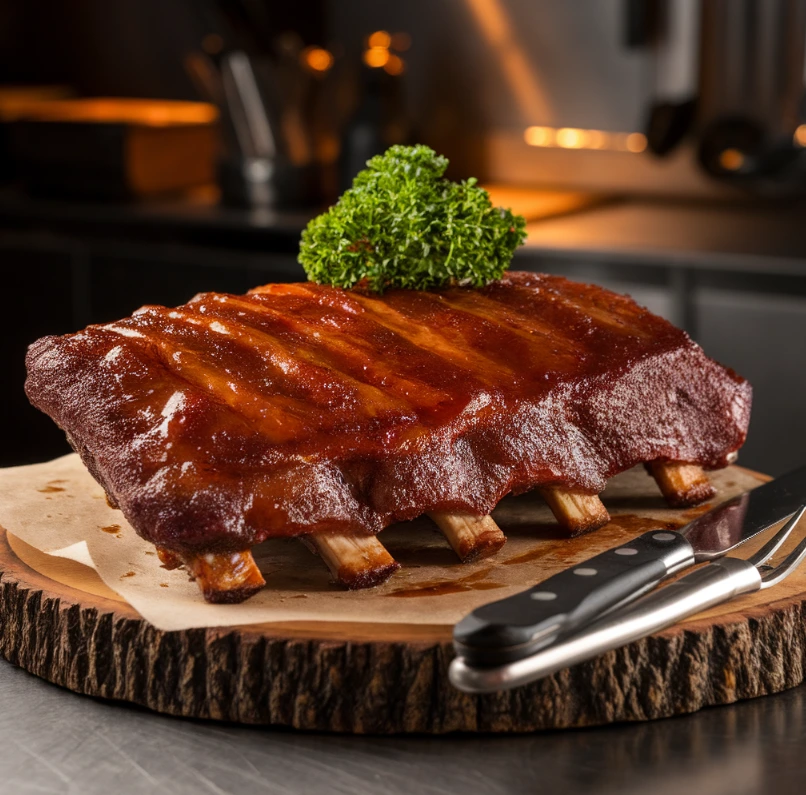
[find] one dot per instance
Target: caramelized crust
(301, 409)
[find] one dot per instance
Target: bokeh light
(317, 59)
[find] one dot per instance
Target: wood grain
(375, 678)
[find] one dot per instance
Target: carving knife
(518, 626)
(705, 587)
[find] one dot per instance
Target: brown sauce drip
(49, 489)
(127, 574)
(472, 582)
(442, 587)
(114, 529)
(632, 523)
(643, 524)
(533, 554)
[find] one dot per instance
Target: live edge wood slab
(59, 623)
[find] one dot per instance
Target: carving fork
(710, 585)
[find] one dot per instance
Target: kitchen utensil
(516, 627)
(711, 585)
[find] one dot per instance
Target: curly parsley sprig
(403, 225)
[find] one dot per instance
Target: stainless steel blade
(740, 519)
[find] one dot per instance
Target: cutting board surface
(60, 621)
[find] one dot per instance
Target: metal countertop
(764, 238)
(53, 741)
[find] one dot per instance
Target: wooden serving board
(60, 621)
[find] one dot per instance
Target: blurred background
(152, 149)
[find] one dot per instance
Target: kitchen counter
(54, 741)
(760, 238)
(195, 219)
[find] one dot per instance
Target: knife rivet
(544, 596)
(663, 537)
(626, 551)
(585, 572)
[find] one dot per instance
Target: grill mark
(527, 347)
(288, 420)
(610, 315)
(522, 358)
(282, 289)
(469, 364)
(295, 362)
(480, 368)
(497, 313)
(339, 354)
(371, 399)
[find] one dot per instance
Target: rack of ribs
(325, 414)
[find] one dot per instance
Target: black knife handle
(519, 625)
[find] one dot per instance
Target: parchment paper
(60, 510)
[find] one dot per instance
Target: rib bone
(681, 484)
(224, 577)
(354, 561)
(576, 511)
(472, 537)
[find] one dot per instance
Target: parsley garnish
(403, 225)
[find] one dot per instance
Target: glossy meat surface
(301, 408)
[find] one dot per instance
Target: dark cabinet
(38, 290)
(763, 337)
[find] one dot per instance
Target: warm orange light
(574, 138)
(597, 139)
(20, 101)
(635, 142)
(401, 41)
(800, 135)
(380, 38)
(395, 65)
(120, 110)
(328, 149)
(570, 138)
(376, 57)
(316, 59)
(731, 159)
(212, 44)
(539, 136)
(500, 34)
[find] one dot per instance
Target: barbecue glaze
(305, 409)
